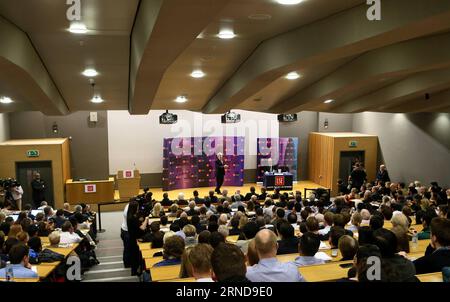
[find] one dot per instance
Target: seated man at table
(348, 246)
(67, 211)
(249, 195)
(237, 202)
(400, 268)
(166, 202)
(18, 256)
(308, 248)
(336, 232)
(54, 238)
(68, 235)
(263, 194)
(200, 260)
(440, 240)
(172, 251)
(269, 269)
(192, 210)
(197, 199)
(288, 243)
(426, 222)
(228, 264)
(211, 198)
(59, 219)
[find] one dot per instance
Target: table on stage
(282, 181)
(90, 191)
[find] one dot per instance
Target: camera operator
(16, 193)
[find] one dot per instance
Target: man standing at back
(269, 269)
(38, 186)
(358, 176)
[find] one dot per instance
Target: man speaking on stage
(220, 172)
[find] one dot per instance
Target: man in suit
(197, 199)
(38, 186)
(440, 241)
(249, 195)
(220, 172)
(383, 175)
(358, 176)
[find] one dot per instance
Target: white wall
(138, 139)
(337, 122)
(4, 127)
(413, 146)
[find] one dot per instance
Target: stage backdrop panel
(283, 152)
(190, 162)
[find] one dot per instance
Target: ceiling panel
(105, 47)
(219, 59)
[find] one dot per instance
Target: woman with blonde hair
(14, 230)
(23, 237)
(242, 222)
(400, 220)
(157, 210)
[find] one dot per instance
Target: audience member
(269, 269)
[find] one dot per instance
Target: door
(25, 172)
(347, 162)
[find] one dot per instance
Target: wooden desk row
(46, 268)
(316, 273)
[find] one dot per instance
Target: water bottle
(9, 272)
(415, 240)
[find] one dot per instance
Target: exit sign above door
(33, 153)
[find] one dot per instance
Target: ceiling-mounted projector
(287, 118)
(168, 118)
(231, 117)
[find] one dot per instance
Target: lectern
(128, 183)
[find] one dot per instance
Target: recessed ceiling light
(90, 73)
(226, 34)
(289, 2)
(197, 74)
(293, 75)
(260, 17)
(78, 28)
(97, 99)
(181, 99)
(6, 100)
(328, 101)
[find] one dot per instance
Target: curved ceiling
(145, 51)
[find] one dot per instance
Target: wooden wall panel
(49, 150)
(324, 156)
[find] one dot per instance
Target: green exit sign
(33, 153)
(353, 144)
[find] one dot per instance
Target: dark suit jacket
(263, 196)
(220, 169)
(192, 212)
(288, 246)
(166, 202)
(199, 200)
(433, 262)
(383, 176)
(249, 195)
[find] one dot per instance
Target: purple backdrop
(190, 162)
(287, 149)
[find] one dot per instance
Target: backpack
(50, 256)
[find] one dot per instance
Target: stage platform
(158, 192)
